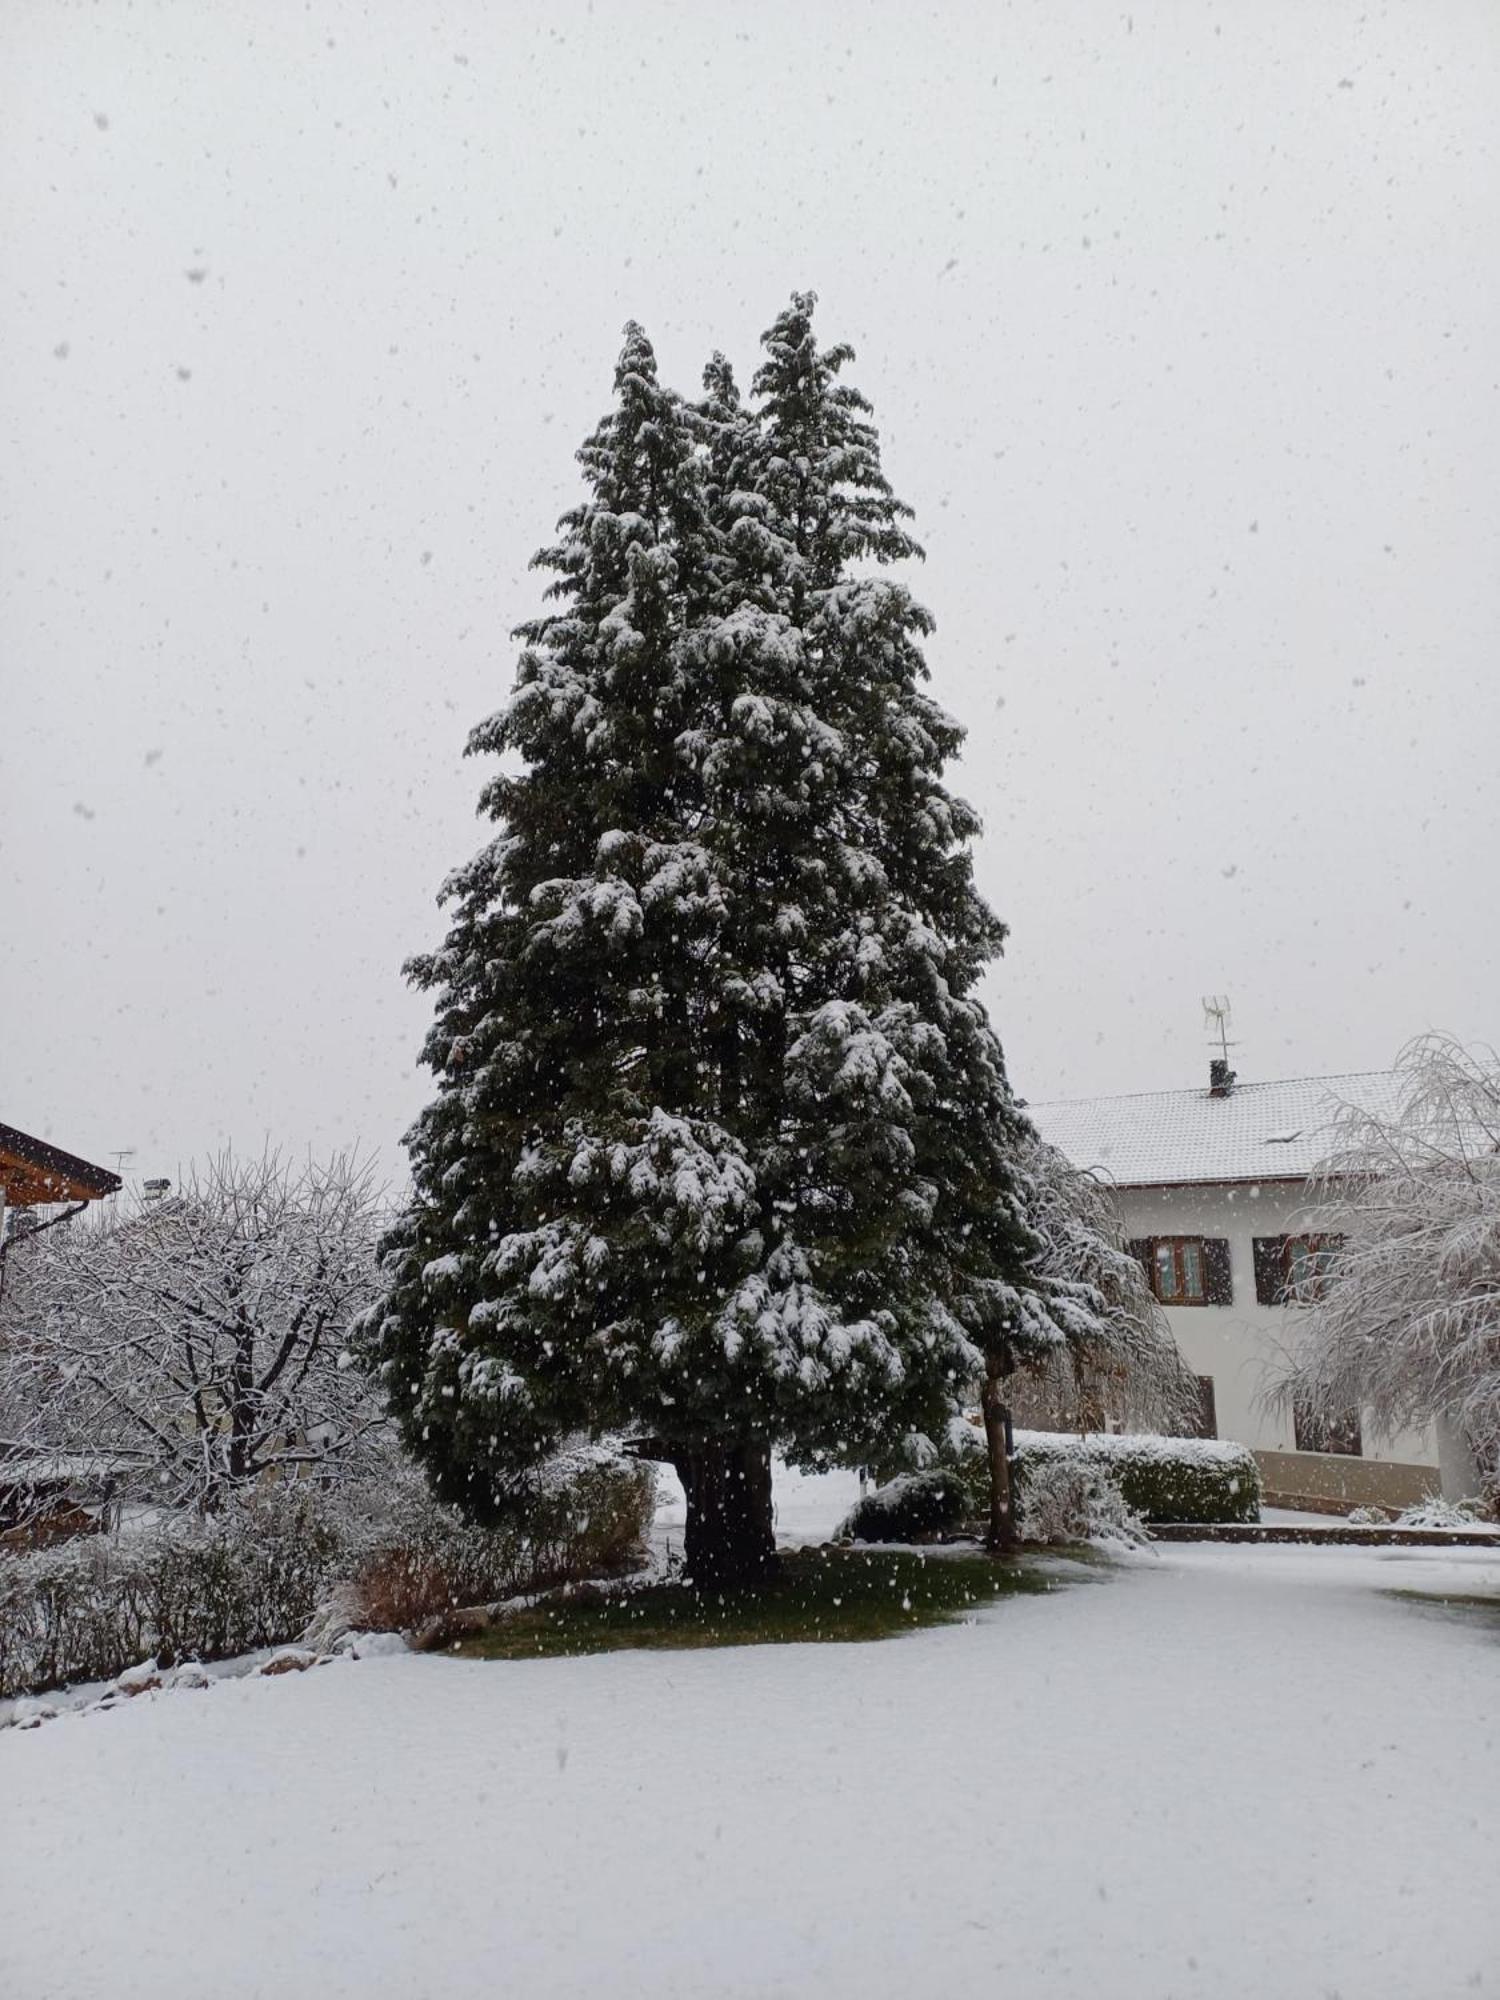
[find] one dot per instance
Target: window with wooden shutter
(1182, 1270)
(1270, 1269)
(1291, 1270)
(1218, 1283)
(1186, 1270)
(1306, 1263)
(1316, 1432)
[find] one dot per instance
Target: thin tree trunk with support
(1003, 1536)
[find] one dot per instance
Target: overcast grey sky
(1181, 326)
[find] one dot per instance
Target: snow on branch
(202, 1339)
(1116, 1357)
(1401, 1306)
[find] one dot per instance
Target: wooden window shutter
(1218, 1286)
(1143, 1249)
(1270, 1270)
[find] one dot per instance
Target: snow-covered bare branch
(202, 1338)
(1402, 1312)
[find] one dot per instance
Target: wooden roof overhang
(33, 1173)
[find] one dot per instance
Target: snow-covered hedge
(256, 1573)
(207, 1589)
(1159, 1478)
(908, 1508)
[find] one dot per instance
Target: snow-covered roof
(1170, 1138)
(62, 1468)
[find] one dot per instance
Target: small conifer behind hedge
(910, 1508)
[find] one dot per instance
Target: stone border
(1345, 1536)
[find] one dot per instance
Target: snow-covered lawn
(1219, 1772)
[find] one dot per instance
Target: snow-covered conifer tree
(722, 1150)
(894, 933)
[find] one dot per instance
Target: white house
(1211, 1186)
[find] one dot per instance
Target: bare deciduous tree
(202, 1338)
(1402, 1312)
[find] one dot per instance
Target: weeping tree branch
(1401, 1317)
(1114, 1355)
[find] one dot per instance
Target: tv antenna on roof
(1216, 1016)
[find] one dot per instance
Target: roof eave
(1218, 1181)
(45, 1173)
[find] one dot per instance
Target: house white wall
(1240, 1345)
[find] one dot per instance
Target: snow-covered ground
(1218, 1772)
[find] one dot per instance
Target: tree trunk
(730, 1540)
(1003, 1536)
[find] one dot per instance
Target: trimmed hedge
(1159, 1478)
(911, 1507)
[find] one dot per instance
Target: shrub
(208, 1589)
(1158, 1478)
(915, 1505)
(1069, 1500)
(586, 1515)
(256, 1573)
(1434, 1512)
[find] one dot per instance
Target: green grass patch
(817, 1595)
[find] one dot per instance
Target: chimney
(1220, 1077)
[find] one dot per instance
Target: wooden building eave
(33, 1173)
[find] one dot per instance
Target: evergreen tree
(722, 1150)
(903, 934)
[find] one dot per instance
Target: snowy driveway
(1222, 1773)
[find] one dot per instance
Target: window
(1177, 1270)
(1307, 1260)
(1291, 1270)
(1186, 1270)
(1315, 1432)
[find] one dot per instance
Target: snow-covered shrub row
(1098, 1487)
(908, 1508)
(207, 1588)
(1069, 1500)
(588, 1513)
(255, 1573)
(1158, 1478)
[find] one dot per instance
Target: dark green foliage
(911, 1508)
(722, 1149)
